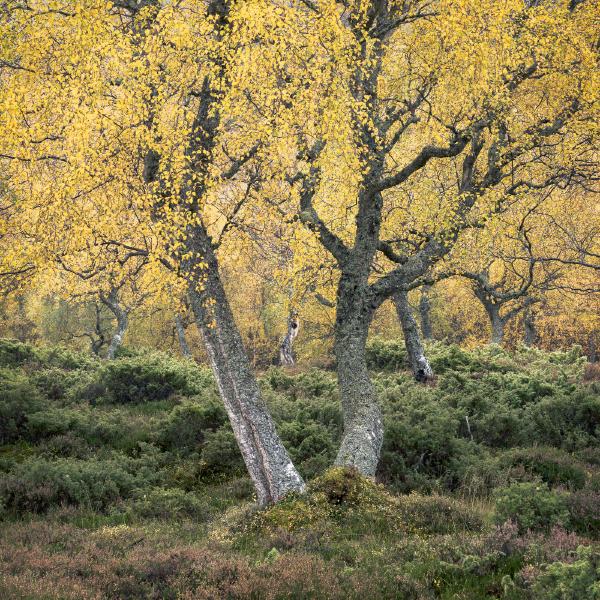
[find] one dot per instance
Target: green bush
(584, 510)
(311, 446)
(451, 357)
(170, 503)
(185, 427)
(19, 399)
(420, 439)
(54, 383)
(532, 506)
(386, 355)
(95, 427)
(38, 484)
(14, 353)
(569, 420)
(151, 377)
(554, 467)
(571, 581)
(221, 454)
(66, 445)
(310, 384)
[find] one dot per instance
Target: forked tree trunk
(266, 459)
(183, 345)
(492, 309)
(363, 426)
(122, 316)
(286, 350)
(425, 313)
(419, 364)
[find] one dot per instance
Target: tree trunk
(183, 345)
(419, 364)
(97, 343)
(122, 316)
(363, 426)
(496, 322)
(266, 459)
(286, 350)
(529, 333)
(425, 313)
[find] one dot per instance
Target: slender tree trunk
(363, 426)
(529, 333)
(266, 458)
(183, 345)
(286, 350)
(117, 339)
(122, 316)
(425, 313)
(97, 343)
(419, 364)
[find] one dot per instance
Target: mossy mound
(342, 502)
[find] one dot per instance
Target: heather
(122, 479)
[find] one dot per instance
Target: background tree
(378, 160)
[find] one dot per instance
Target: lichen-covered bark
(425, 313)
(266, 459)
(185, 348)
(419, 364)
(496, 322)
(363, 427)
(122, 316)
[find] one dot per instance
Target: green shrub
(420, 439)
(571, 581)
(53, 421)
(532, 506)
(554, 467)
(185, 427)
(151, 377)
(19, 400)
(584, 510)
(278, 379)
(386, 355)
(451, 357)
(37, 484)
(311, 445)
(13, 352)
(569, 420)
(95, 427)
(55, 383)
(66, 445)
(309, 384)
(170, 503)
(221, 454)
